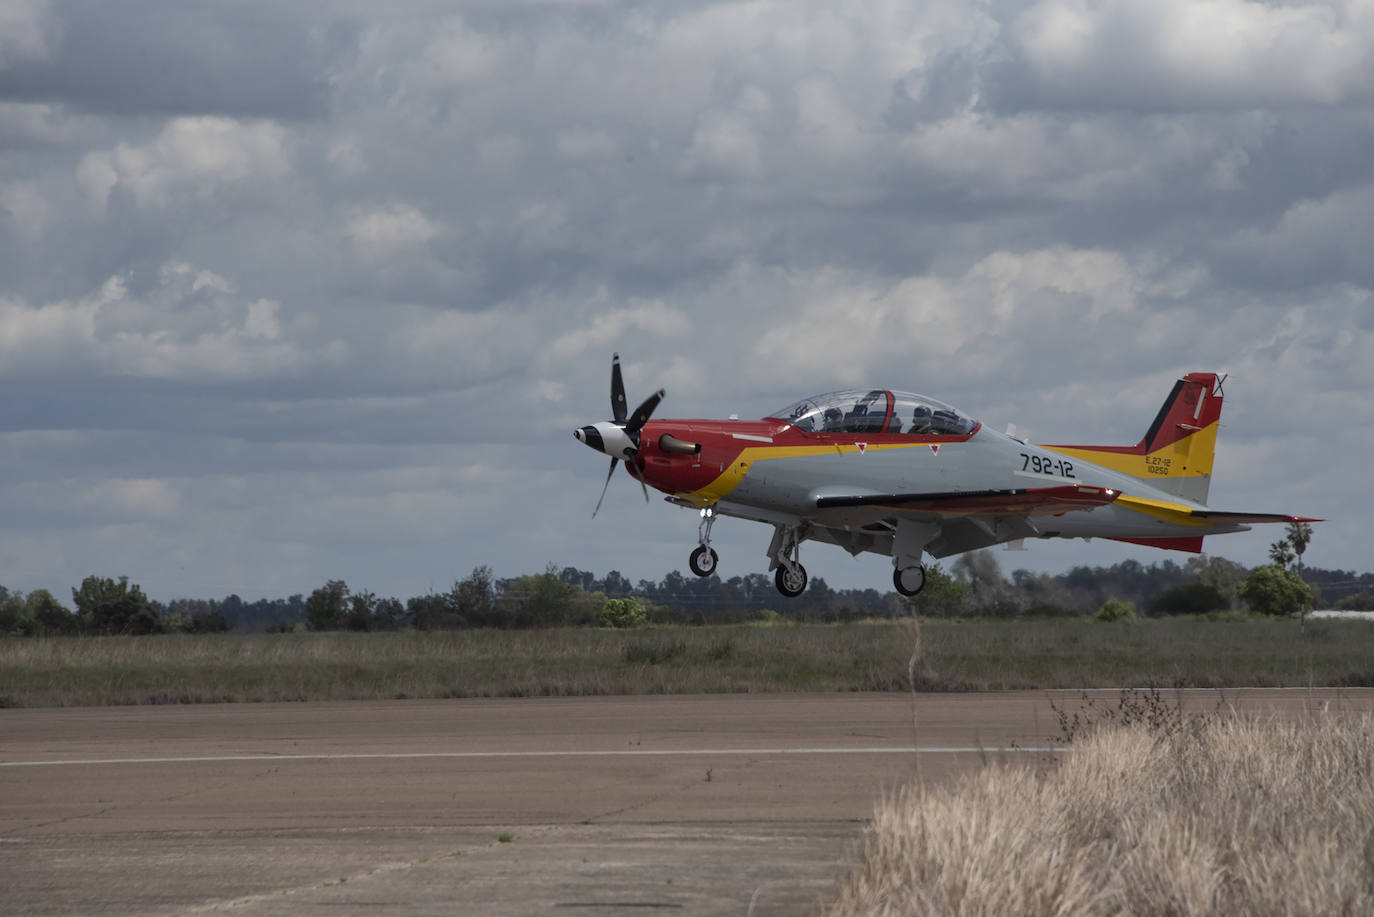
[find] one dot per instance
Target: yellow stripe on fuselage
(736, 470)
(1189, 457)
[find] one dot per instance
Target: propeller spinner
(619, 438)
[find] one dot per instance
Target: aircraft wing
(1026, 501)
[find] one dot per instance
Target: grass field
(962, 655)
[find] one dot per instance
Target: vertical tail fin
(1175, 454)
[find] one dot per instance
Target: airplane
(901, 474)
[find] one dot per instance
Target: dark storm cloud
(170, 58)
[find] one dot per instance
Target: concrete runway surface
(721, 804)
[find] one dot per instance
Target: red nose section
(680, 457)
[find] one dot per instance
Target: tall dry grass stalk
(1230, 816)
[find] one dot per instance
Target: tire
(791, 582)
(703, 561)
(909, 581)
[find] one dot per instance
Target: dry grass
(1226, 816)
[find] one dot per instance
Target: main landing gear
(909, 580)
(788, 573)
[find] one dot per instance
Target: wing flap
(1028, 501)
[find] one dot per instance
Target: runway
(690, 805)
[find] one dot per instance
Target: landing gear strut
(908, 544)
(704, 558)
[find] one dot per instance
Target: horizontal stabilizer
(1032, 501)
(1187, 515)
(1247, 518)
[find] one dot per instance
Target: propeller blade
(604, 486)
(617, 390)
(635, 474)
(641, 415)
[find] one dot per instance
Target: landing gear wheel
(790, 580)
(703, 561)
(909, 580)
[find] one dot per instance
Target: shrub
(1190, 599)
(626, 612)
(1360, 601)
(1116, 610)
(1050, 610)
(1272, 590)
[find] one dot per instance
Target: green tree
(1299, 537)
(943, 596)
(431, 612)
(48, 616)
(1272, 590)
(544, 600)
(1281, 553)
(327, 608)
(13, 619)
(473, 599)
(1221, 574)
(106, 606)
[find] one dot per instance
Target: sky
(319, 290)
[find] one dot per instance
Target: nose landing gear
(703, 560)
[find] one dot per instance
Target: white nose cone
(607, 437)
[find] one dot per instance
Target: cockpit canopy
(877, 410)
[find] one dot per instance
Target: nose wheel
(909, 580)
(703, 561)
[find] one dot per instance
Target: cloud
(1175, 55)
(343, 263)
(385, 231)
(188, 326)
(25, 32)
(193, 157)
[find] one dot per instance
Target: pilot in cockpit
(834, 421)
(921, 420)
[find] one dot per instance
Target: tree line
(973, 585)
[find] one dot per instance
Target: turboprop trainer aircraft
(905, 475)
